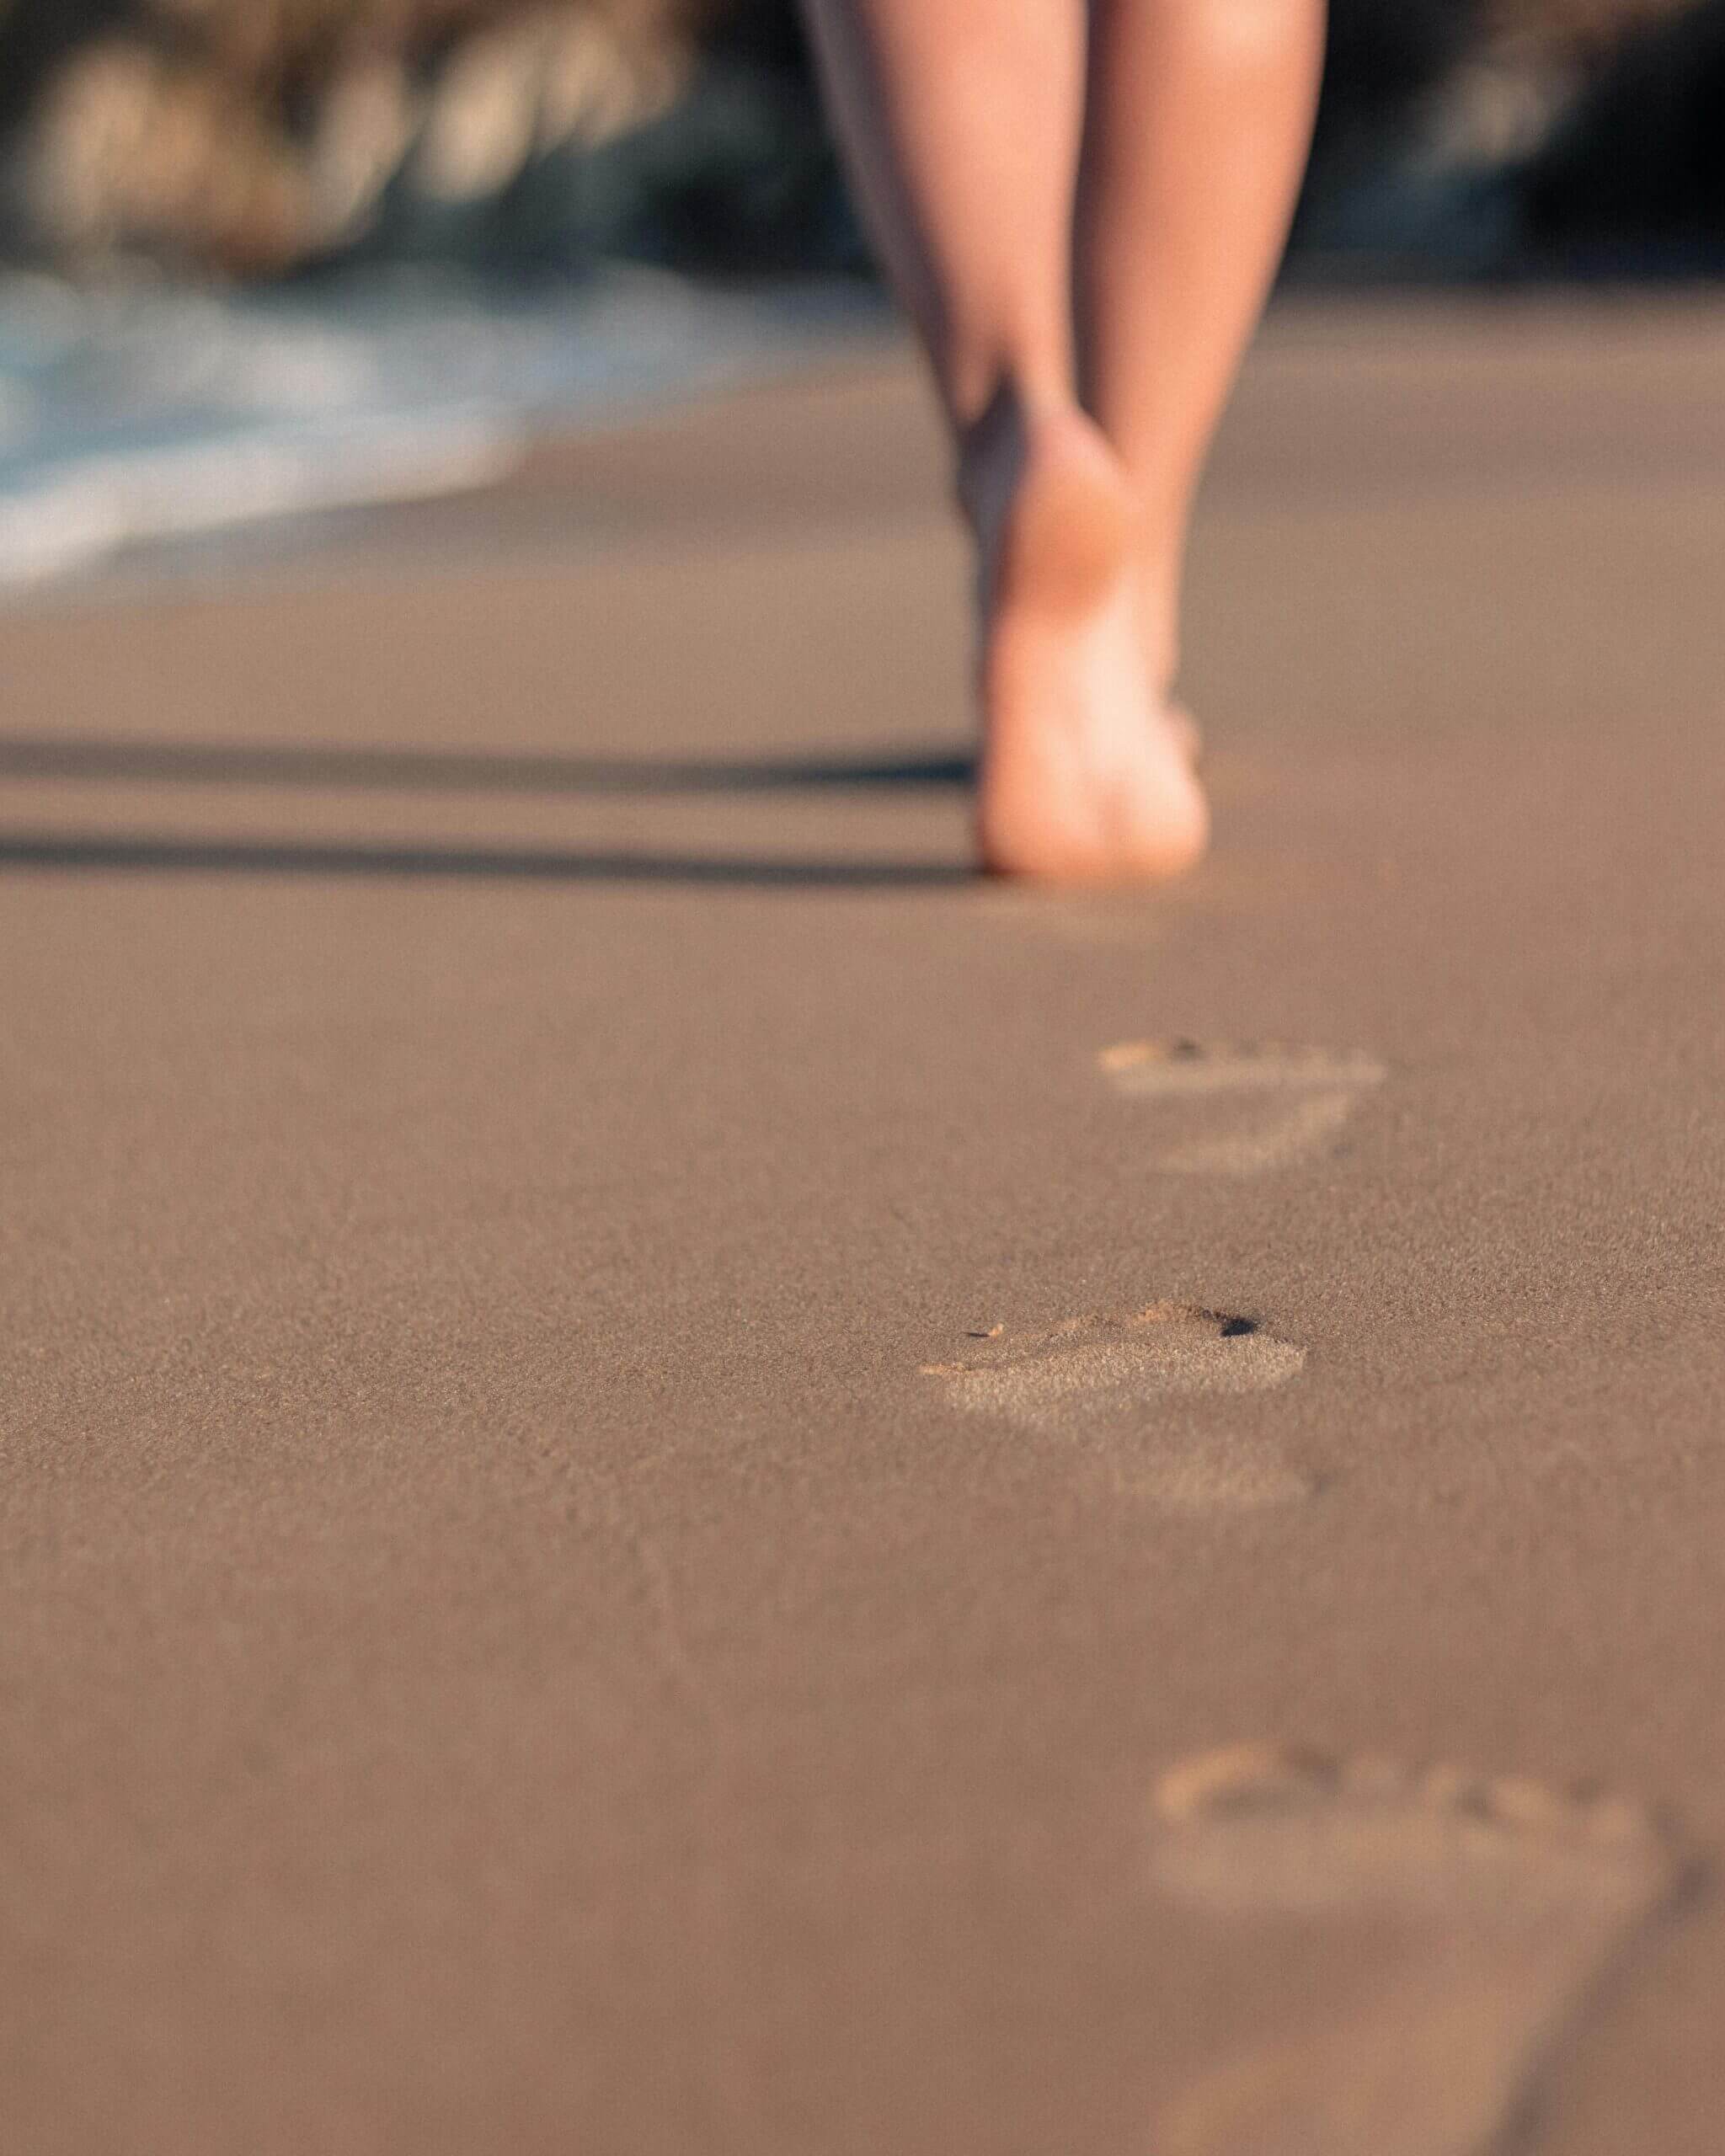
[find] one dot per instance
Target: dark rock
(1636, 168)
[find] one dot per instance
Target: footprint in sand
(1277, 1105)
(1108, 1377)
(1508, 1902)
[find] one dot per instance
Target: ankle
(1159, 583)
(1043, 478)
(1014, 431)
(991, 451)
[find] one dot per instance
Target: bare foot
(1086, 769)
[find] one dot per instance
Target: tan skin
(1081, 206)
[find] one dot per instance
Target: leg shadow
(333, 766)
(86, 851)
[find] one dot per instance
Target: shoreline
(131, 423)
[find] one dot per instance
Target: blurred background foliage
(251, 140)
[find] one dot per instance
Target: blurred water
(152, 414)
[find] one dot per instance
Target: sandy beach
(677, 1482)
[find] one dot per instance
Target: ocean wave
(130, 418)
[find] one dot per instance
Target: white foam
(151, 415)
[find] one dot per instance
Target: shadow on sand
(74, 850)
(412, 771)
(342, 769)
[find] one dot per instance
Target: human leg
(1199, 118)
(963, 123)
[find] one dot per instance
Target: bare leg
(962, 121)
(1199, 119)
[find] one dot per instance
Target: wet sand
(674, 1482)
